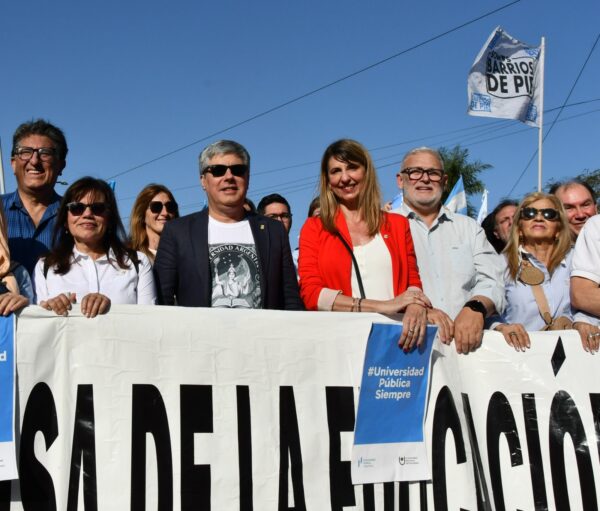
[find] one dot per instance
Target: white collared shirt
(104, 275)
(455, 259)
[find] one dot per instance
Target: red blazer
(325, 262)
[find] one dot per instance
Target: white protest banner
(393, 391)
(8, 453)
(181, 408)
(506, 80)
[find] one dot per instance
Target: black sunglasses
(78, 208)
(156, 206)
(531, 213)
(237, 170)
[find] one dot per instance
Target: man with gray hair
(461, 273)
(225, 256)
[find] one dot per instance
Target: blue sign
(7, 377)
(393, 392)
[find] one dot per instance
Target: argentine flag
(483, 211)
(457, 200)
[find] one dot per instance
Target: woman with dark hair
(538, 257)
(354, 257)
(153, 208)
(90, 262)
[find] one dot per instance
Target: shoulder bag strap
(358, 277)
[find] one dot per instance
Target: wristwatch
(477, 306)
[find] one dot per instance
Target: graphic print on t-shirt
(235, 275)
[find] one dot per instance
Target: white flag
(483, 211)
(506, 80)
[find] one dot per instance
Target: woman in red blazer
(352, 225)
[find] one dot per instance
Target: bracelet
(359, 304)
(354, 304)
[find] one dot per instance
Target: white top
(586, 260)
(375, 266)
(456, 261)
(227, 232)
(104, 275)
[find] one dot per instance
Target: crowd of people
(532, 265)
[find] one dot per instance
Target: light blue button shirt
(521, 306)
(455, 259)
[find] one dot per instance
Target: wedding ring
(590, 335)
(512, 333)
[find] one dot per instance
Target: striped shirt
(26, 241)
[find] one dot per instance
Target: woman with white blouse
(90, 263)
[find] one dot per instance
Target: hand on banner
(590, 336)
(412, 296)
(12, 302)
(60, 304)
(515, 335)
(445, 325)
(414, 326)
(94, 304)
(468, 330)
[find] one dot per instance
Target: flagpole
(541, 126)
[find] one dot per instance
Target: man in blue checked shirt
(38, 157)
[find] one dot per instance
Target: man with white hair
(461, 272)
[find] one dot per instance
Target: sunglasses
(156, 206)
(78, 208)
(237, 170)
(531, 213)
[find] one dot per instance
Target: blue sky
(129, 81)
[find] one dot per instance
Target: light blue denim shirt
(521, 306)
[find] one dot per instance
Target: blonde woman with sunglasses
(538, 256)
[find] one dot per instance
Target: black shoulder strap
(358, 277)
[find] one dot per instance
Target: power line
(558, 115)
(470, 140)
(318, 89)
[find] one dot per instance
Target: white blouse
(104, 275)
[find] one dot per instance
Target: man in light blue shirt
(461, 273)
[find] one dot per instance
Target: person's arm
(289, 281)
(146, 290)
(489, 274)
(585, 295)
(413, 269)
(39, 282)
(585, 272)
(165, 267)
(311, 281)
(468, 325)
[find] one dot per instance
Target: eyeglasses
(237, 170)
(156, 206)
(280, 216)
(26, 153)
(416, 173)
(531, 213)
(78, 208)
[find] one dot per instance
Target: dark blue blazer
(182, 267)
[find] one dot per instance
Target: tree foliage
(456, 162)
(591, 177)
